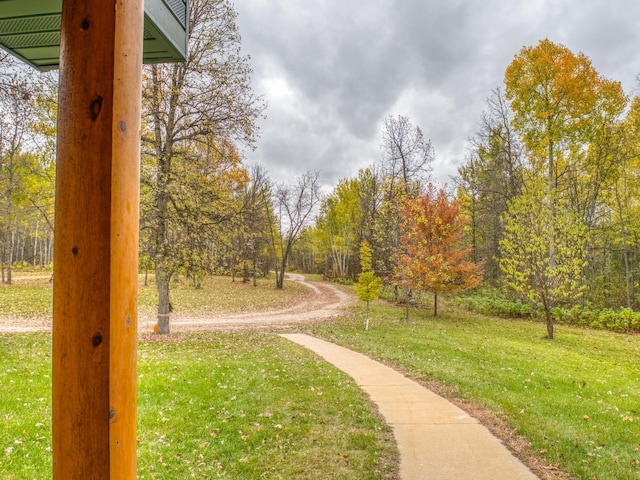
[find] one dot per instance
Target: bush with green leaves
(490, 303)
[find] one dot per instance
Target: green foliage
(543, 249)
(366, 262)
(496, 306)
(339, 224)
(543, 253)
(620, 320)
(562, 125)
(368, 286)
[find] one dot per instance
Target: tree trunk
(549, 318)
(163, 279)
(552, 207)
(9, 223)
(280, 277)
(245, 273)
(406, 305)
(35, 245)
(255, 271)
(627, 277)
(326, 266)
(366, 326)
(435, 303)
(10, 259)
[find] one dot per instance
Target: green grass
(244, 405)
(25, 406)
(220, 294)
(211, 405)
(33, 297)
(576, 399)
(27, 299)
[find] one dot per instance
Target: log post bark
(96, 241)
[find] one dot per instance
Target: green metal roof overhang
(30, 30)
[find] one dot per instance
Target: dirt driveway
(326, 301)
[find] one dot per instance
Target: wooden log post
(96, 241)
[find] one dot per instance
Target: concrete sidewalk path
(436, 439)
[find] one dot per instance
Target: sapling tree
(368, 286)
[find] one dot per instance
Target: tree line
(203, 211)
(27, 167)
(542, 209)
(547, 196)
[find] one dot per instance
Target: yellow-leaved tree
(567, 115)
(531, 233)
(368, 286)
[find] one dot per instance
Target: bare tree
(406, 155)
(293, 207)
(405, 170)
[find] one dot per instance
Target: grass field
(229, 406)
(575, 399)
(247, 405)
(31, 296)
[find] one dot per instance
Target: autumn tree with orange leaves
(433, 256)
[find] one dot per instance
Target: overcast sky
(331, 70)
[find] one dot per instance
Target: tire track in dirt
(326, 301)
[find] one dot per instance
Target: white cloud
(331, 70)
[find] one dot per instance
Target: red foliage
(433, 256)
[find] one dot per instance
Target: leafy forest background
(542, 219)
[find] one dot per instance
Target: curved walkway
(436, 439)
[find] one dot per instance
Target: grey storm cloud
(332, 70)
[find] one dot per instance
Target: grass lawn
(31, 296)
(249, 405)
(219, 294)
(575, 399)
(212, 405)
(27, 298)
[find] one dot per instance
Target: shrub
(623, 320)
(489, 302)
(499, 307)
